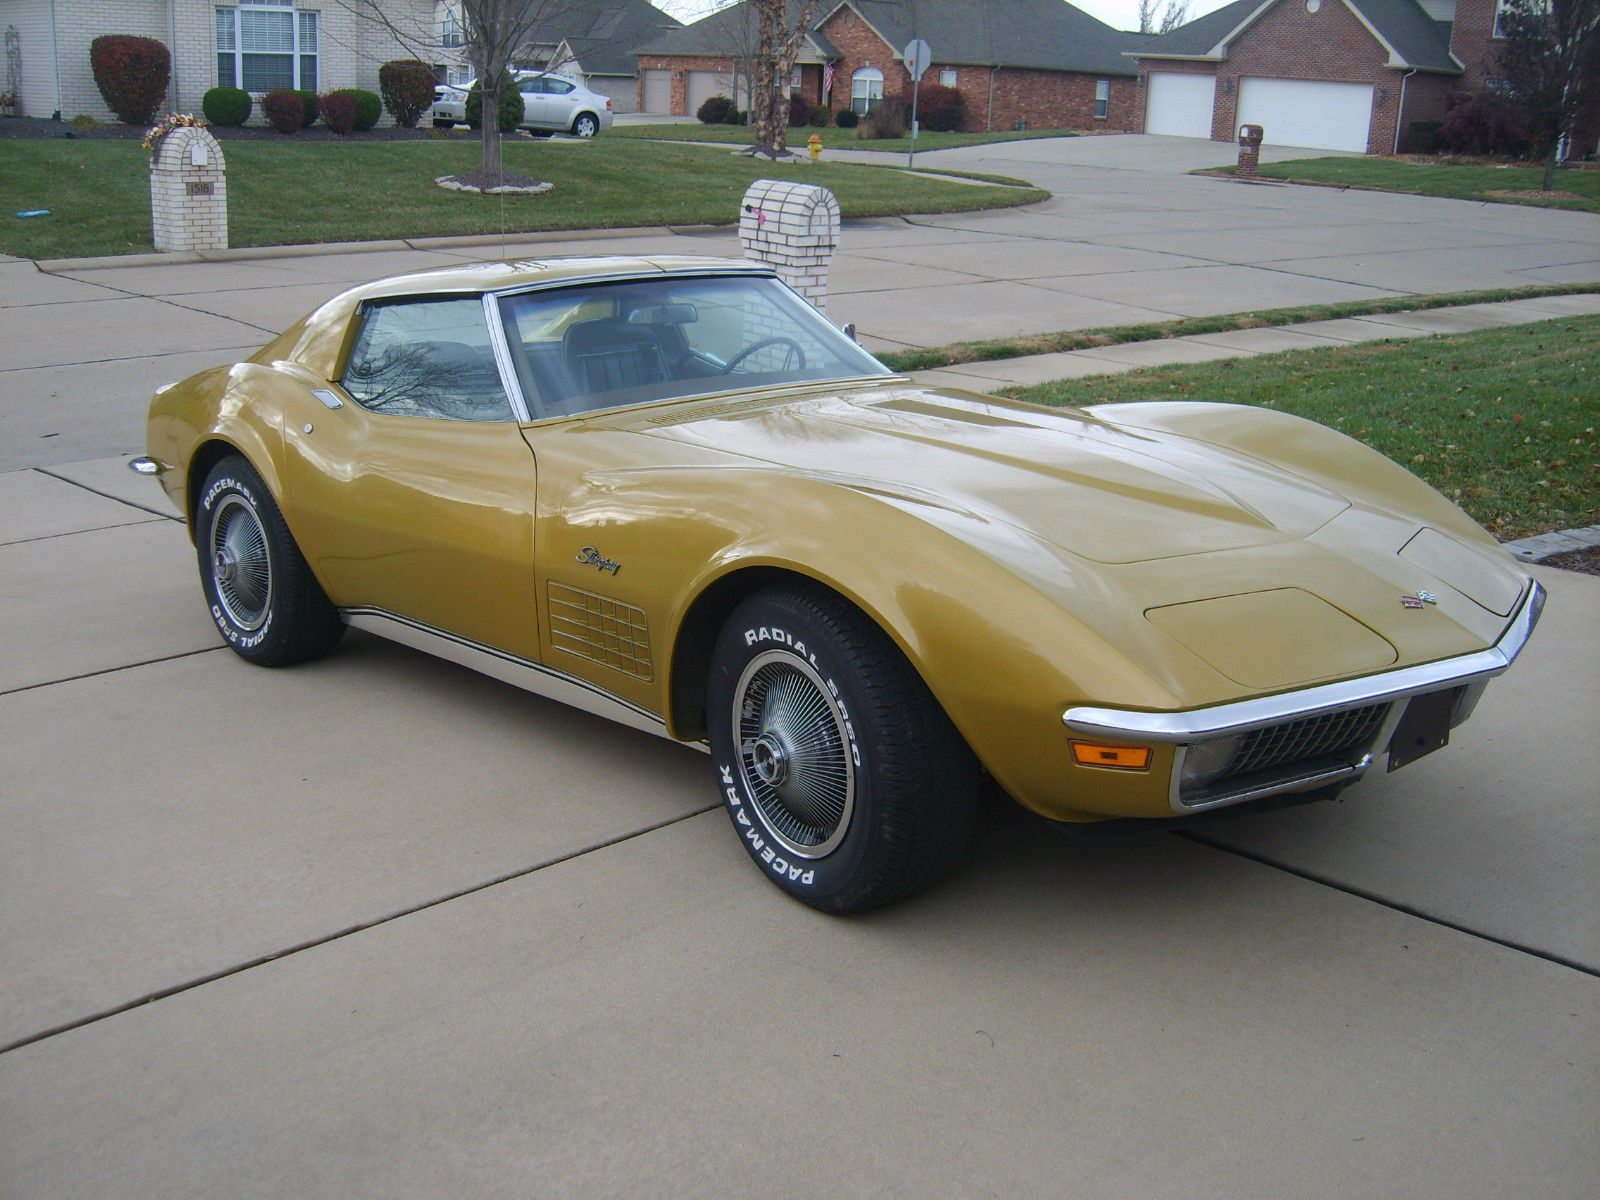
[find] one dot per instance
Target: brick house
(593, 41)
(1327, 74)
(1038, 64)
(317, 45)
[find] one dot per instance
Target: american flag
(827, 81)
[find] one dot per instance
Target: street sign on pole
(917, 55)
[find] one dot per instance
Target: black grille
(1309, 738)
(1273, 759)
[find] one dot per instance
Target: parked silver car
(550, 104)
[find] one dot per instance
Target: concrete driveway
(377, 926)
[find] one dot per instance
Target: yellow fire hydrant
(815, 146)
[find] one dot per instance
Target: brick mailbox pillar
(1249, 152)
(189, 192)
(794, 228)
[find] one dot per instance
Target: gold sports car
(670, 492)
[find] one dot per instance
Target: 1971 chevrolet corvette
(670, 492)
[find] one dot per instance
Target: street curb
(313, 249)
(1546, 545)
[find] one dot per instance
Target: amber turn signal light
(1129, 758)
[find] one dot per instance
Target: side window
(426, 358)
(558, 87)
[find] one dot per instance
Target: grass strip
(833, 138)
(928, 358)
(290, 193)
(1576, 188)
(1503, 421)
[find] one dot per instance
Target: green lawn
(1503, 421)
(287, 192)
(833, 138)
(1576, 188)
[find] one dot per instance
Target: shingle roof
(1046, 35)
(1414, 38)
(605, 35)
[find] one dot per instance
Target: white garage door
(1179, 105)
(658, 91)
(1296, 112)
(700, 86)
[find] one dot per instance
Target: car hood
(1097, 490)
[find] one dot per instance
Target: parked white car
(550, 104)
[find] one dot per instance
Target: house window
(1102, 98)
(866, 89)
(266, 44)
(947, 77)
(794, 80)
(1535, 9)
(450, 29)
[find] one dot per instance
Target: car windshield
(610, 344)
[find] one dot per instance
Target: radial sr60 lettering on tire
(844, 779)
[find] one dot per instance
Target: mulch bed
(1587, 561)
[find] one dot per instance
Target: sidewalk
(1247, 343)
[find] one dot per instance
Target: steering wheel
(794, 346)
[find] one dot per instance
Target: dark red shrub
(285, 110)
(799, 110)
(1486, 124)
(339, 112)
(132, 74)
(407, 87)
(939, 109)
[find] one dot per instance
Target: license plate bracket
(1424, 727)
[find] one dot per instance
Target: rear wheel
(585, 126)
(263, 597)
(844, 779)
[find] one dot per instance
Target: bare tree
(1153, 18)
(1549, 60)
(782, 27)
(492, 33)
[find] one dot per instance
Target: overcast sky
(1119, 14)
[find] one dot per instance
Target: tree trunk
(1549, 184)
(490, 130)
(761, 106)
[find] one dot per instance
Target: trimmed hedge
(132, 74)
(369, 106)
(339, 112)
(820, 116)
(407, 87)
(227, 107)
(309, 99)
(285, 111)
(510, 106)
(714, 110)
(847, 118)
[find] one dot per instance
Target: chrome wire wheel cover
(794, 754)
(240, 568)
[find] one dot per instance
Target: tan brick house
(1327, 74)
(1039, 64)
(318, 45)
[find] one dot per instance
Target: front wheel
(844, 779)
(585, 126)
(263, 597)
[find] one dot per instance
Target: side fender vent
(601, 630)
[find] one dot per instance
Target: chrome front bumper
(1468, 673)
